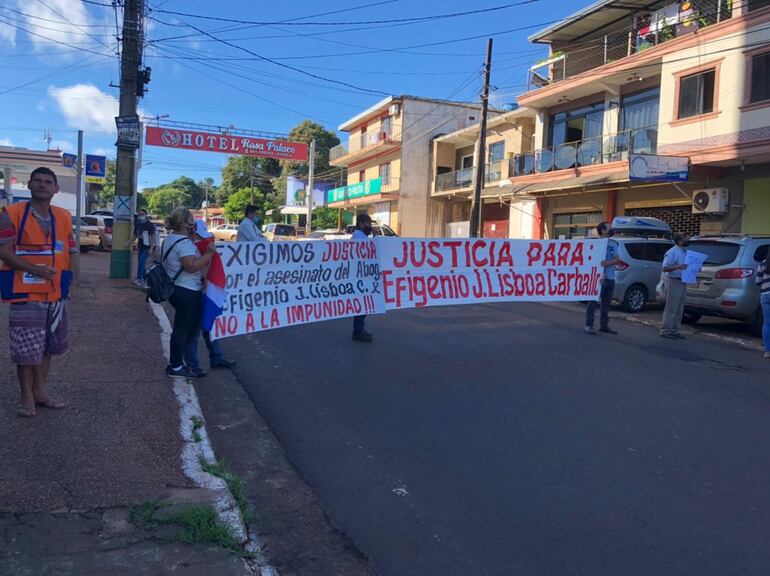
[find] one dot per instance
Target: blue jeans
(142, 263)
(765, 300)
(608, 287)
(191, 354)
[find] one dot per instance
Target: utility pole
(125, 168)
(478, 181)
(251, 177)
(78, 204)
(310, 187)
(206, 205)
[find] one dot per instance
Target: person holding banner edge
(362, 232)
(673, 264)
(248, 229)
(608, 284)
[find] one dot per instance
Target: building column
(612, 205)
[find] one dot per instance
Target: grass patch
(200, 524)
(234, 483)
(143, 515)
(197, 425)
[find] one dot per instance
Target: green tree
(193, 189)
(107, 195)
(165, 199)
(241, 171)
(237, 202)
(324, 218)
(305, 132)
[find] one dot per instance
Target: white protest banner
(435, 272)
(278, 284)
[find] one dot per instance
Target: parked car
(277, 231)
(637, 274)
(726, 285)
(328, 234)
(226, 232)
(89, 235)
(377, 230)
(104, 224)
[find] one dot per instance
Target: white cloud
(62, 145)
(43, 34)
(86, 107)
(7, 32)
(6, 142)
(109, 152)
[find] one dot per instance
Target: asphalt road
(502, 440)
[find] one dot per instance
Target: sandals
(25, 412)
(50, 403)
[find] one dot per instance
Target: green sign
(365, 188)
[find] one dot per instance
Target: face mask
(142, 219)
(255, 220)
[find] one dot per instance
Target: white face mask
(142, 219)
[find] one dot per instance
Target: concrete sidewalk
(78, 487)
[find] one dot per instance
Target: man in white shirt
(248, 229)
(673, 264)
(362, 232)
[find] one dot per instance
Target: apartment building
(454, 171)
(627, 82)
(387, 156)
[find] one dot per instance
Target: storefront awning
(364, 200)
(298, 210)
(571, 184)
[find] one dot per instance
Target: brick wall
(680, 218)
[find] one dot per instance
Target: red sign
(226, 143)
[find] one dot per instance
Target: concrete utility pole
(478, 181)
(310, 186)
(125, 167)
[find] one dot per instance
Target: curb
(225, 506)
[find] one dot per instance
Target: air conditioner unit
(394, 110)
(710, 201)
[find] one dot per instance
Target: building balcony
(366, 192)
(603, 149)
(367, 146)
(577, 50)
(462, 180)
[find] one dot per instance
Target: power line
(3, 20)
(59, 72)
(391, 21)
(75, 25)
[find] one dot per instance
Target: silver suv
(638, 272)
(726, 285)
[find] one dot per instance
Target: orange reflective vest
(35, 247)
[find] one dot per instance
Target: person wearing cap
(362, 232)
(611, 259)
(673, 265)
(145, 235)
(202, 238)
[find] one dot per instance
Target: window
(696, 94)
(361, 175)
(575, 225)
(363, 137)
(639, 115)
(466, 162)
(760, 78)
(717, 253)
(757, 4)
(496, 151)
(385, 173)
(576, 125)
(386, 126)
(761, 253)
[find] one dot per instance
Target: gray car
(726, 285)
(639, 269)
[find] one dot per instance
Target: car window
(108, 222)
(388, 231)
(655, 251)
(90, 221)
(761, 252)
(635, 250)
(285, 230)
(717, 253)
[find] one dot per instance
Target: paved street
(502, 440)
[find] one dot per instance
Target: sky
(282, 63)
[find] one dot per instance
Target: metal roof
(595, 20)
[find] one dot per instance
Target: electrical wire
(75, 25)
(75, 46)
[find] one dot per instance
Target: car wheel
(635, 299)
(690, 317)
(755, 324)
(100, 247)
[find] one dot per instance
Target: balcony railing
(365, 141)
(460, 179)
(591, 151)
(657, 28)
